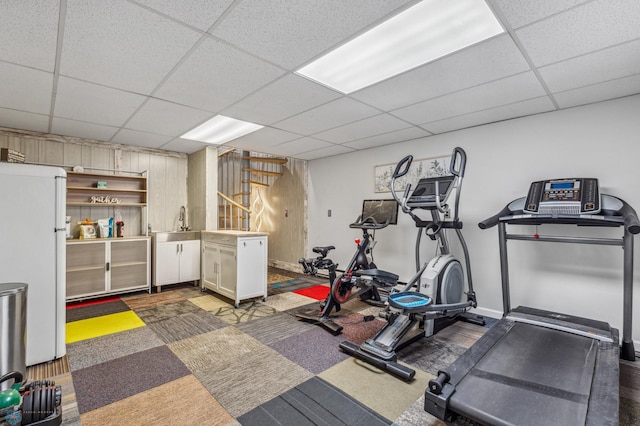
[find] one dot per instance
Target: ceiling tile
(487, 61)
(166, 118)
(587, 28)
(298, 146)
(289, 33)
(29, 32)
(215, 76)
(184, 145)
(599, 92)
(79, 100)
(383, 123)
(281, 99)
(388, 138)
(505, 112)
(198, 13)
(502, 92)
(143, 139)
(121, 45)
(81, 129)
(608, 64)
(262, 139)
(24, 120)
(522, 12)
(336, 113)
(325, 152)
(25, 88)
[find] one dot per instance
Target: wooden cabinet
(176, 258)
(100, 266)
(107, 266)
(234, 264)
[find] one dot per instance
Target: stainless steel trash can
(13, 330)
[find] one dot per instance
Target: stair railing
(230, 209)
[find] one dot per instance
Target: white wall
(599, 140)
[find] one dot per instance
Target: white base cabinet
(107, 266)
(175, 260)
(234, 264)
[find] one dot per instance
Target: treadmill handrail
(625, 215)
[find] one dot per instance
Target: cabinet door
(129, 264)
(86, 268)
(189, 260)
(228, 271)
(167, 265)
(210, 266)
(252, 267)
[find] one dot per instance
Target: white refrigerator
(33, 251)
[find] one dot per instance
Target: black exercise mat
(314, 402)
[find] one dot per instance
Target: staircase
(241, 175)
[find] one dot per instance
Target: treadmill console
(572, 196)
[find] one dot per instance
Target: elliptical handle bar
(458, 153)
(406, 161)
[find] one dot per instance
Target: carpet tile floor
(186, 357)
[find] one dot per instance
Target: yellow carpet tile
(101, 326)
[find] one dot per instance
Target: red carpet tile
(318, 292)
(72, 305)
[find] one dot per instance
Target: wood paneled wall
(166, 173)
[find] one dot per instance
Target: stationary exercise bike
(437, 300)
(361, 278)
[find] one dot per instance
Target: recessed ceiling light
(221, 129)
(420, 34)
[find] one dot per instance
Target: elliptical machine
(361, 273)
(438, 299)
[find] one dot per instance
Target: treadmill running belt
(525, 377)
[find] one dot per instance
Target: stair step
(254, 182)
(261, 172)
(272, 160)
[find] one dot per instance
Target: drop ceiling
(144, 72)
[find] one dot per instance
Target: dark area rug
(314, 402)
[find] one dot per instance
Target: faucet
(182, 218)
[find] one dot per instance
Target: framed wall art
(426, 167)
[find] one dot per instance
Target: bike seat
(378, 275)
(322, 251)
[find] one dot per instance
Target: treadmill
(539, 367)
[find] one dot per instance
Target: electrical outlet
(329, 213)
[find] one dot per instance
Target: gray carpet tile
(86, 353)
(243, 382)
(186, 325)
(111, 381)
(431, 355)
(215, 348)
(96, 310)
(163, 312)
(316, 349)
(247, 311)
(273, 328)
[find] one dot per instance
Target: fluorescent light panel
(221, 129)
(420, 34)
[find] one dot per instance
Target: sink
(165, 236)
